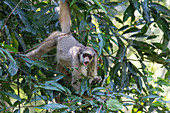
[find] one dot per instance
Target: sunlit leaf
(152, 96)
(8, 54)
(14, 41)
(131, 30)
(20, 40)
(113, 105)
(13, 68)
(17, 111)
(10, 94)
(98, 88)
(8, 47)
(53, 106)
(98, 4)
(161, 8)
(3, 55)
(101, 43)
(163, 82)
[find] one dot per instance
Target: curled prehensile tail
(65, 17)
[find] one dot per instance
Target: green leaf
(152, 96)
(85, 87)
(160, 8)
(43, 10)
(17, 111)
(3, 55)
(158, 89)
(90, 8)
(49, 87)
(149, 78)
(72, 2)
(129, 12)
(13, 68)
(151, 37)
(97, 89)
(146, 11)
(26, 110)
(37, 63)
(8, 54)
(82, 25)
(22, 15)
(53, 106)
(114, 70)
(136, 5)
(52, 85)
(101, 43)
(113, 105)
(119, 20)
(10, 94)
(9, 47)
(156, 103)
(98, 4)
(123, 27)
(163, 82)
(15, 43)
(131, 30)
(20, 40)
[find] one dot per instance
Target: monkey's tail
(65, 16)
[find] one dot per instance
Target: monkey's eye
(87, 55)
(90, 57)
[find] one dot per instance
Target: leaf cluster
(32, 86)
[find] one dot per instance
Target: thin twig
(8, 18)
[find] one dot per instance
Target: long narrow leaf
(53, 106)
(160, 8)
(98, 4)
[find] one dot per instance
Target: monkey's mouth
(86, 63)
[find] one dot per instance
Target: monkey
(82, 60)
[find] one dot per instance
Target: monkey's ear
(81, 50)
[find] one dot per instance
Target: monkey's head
(87, 55)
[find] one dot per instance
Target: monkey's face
(86, 56)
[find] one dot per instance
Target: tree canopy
(130, 36)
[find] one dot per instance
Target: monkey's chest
(64, 58)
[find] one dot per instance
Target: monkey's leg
(45, 46)
(76, 76)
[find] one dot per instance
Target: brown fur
(68, 50)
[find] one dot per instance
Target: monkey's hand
(95, 80)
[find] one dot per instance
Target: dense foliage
(124, 33)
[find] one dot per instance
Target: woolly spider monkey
(69, 52)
